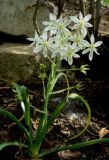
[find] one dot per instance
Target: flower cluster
(61, 40)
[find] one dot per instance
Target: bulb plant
(61, 38)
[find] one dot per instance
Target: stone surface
(16, 16)
(17, 62)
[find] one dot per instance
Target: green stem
(43, 119)
(76, 96)
(49, 89)
(63, 90)
(71, 69)
(43, 87)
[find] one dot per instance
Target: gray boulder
(16, 16)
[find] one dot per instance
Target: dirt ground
(70, 122)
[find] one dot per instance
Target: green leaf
(74, 146)
(14, 119)
(23, 97)
(54, 115)
(106, 2)
(6, 144)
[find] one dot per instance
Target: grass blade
(74, 146)
(13, 118)
(6, 144)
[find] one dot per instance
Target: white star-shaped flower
(33, 40)
(81, 23)
(61, 26)
(44, 44)
(78, 40)
(50, 26)
(56, 25)
(69, 53)
(92, 47)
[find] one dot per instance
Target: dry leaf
(34, 123)
(103, 132)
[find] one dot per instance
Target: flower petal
(80, 16)
(86, 51)
(46, 23)
(37, 49)
(83, 31)
(96, 52)
(38, 40)
(53, 31)
(98, 43)
(30, 39)
(74, 19)
(76, 49)
(52, 49)
(88, 24)
(46, 29)
(92, 38)
(76, 56)
(90, 55)
(85, 43)
(67, 22)
(70, 60)
(45, 51)
(52, 17)
(88, 17)
(32, 44)
(44, 36)
(53, 55)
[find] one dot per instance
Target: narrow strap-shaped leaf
(13, 118)
(41, 131)
(74, 146)
(53, 78)
(53, 116)
(6, 144)
(24, 97)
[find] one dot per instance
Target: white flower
(33, 39)
(61, 26)
(61, 40)
(81, 23)
(78, 40)
(69, 52)
(91, 47)
(50, 26)
(56, 25)
(43, 44)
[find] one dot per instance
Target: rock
(18, 63)
(16, 16)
